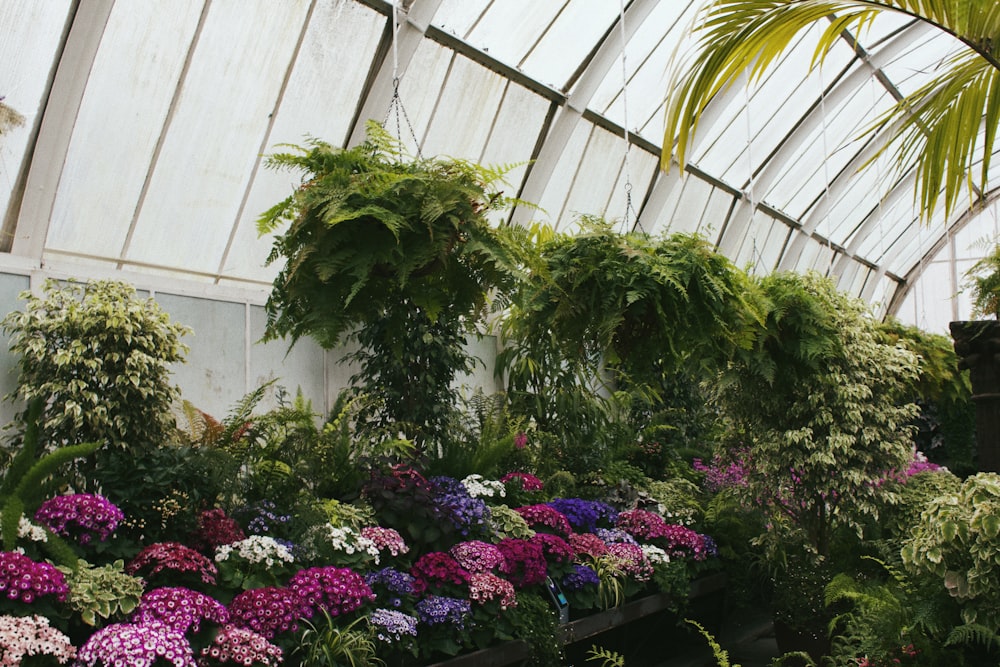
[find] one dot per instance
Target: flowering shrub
(240, 646)
(545, 518)
(172, 558)
(477, 556)
(614, 536)
(136, 646)
(580, 577)
(525, 562)
(216, 528)
(470, 516)
(436, 570)
(23, 636)
(255, 550)
(179, 608)
(268, 611)
(24, 580)
(336, 590)
(556, 550)
(585, 515)
(642, 524)
(80, 516)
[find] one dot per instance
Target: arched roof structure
(147, 125)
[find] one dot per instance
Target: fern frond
(972, 634)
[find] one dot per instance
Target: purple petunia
(80, 516)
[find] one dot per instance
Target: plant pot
(811, 640)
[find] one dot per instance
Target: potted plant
(397, 254)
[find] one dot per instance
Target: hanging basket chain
(396, 103)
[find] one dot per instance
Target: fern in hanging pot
(397, 253)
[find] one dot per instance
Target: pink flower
(527, 481)
(545, 518)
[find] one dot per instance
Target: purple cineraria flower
(21, 636)
(172, 558)
(263, 518)
(268, 611)
(242, 647)
(391, 585)
(581, 577)
(441, 610)
(448, 486)
(556, 549)
(584, 515)
(477, 556)
(179, 608)
(81, 516)
(24, 580)
(136, 646)
(392, 626)
(545, 519)
(467, 514)
(631, 560)
(337, 590)
(614, 535)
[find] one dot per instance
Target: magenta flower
(520, 440)
(179, 608)
(525, 561)
(642, 524)
(216, 529)
(631, 560)
(268, 611)
(527, 481)
(24, 580)
(588, 544)
(136, 646)
(437, 569)
(240, 646)
(477, 556)
(80, 516)
(556, 549)
(544, 518)
(172, 557)
(338, 590)
(682, 541)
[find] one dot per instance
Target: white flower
(655, 555)
(256, 549)
(478, 487)
(348, 540)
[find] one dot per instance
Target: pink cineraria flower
(545, 518)
(240, 646)
(385, 539)
(486, 586)
(527, 481)
(80, 516)
(642, 524)
(631, 560)
(556, 549)
(338, 590)
(216, 529)
(24, 580)
(437, 569)
(172, 557)
(179, 608)
(141, 645)
(477, 556)
(682, 541)
(588, 544)
(23, 636)
(268, 611)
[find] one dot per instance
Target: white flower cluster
(685, 516)
(478, 487)
(655, 555)
(34, 533)
(350, 541)
(256, 549)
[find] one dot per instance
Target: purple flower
(179, 608)
(440, 610)
(268, 611)
(393, 627)
(172, 557)
(263, 518)
(614, 536)
(338, 590)
(242, 647)
(466, 513)
(477, 556)
(581, 577)
(584, 515)
(81, 516)
(448, 486)
(24, 580)
(216, 529)
(724, 472)
(390, 585)
(136, 646)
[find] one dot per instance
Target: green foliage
(535, 622)
(607, 657)
(720, 654)
(984, 280)
(819, 399)
(399, 254)
(958, 540)
(102, 594)
(328, 643)
(99, 357)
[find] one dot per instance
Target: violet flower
(268, 611)
(135, 646)
(437, 610)
(392, 626)
(337, 590)
(179, 608)
(80, 516)
(24, 580)
(584, 515)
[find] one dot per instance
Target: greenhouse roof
(147, 125)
